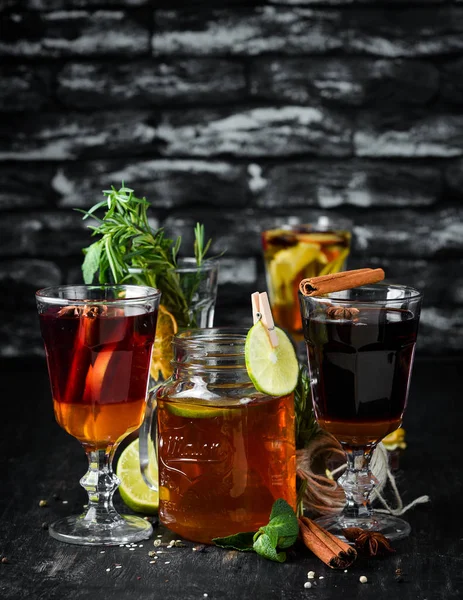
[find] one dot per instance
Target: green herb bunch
(306, 425)
(129, 250)
(281, 532)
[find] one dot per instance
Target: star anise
(342, 312)
(371, 543)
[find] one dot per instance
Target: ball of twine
(323, 495)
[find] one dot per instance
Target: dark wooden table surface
(39, 461)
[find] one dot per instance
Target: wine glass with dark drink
(98, 341)
(360, 346)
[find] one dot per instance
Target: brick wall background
(228, 112)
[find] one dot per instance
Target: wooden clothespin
(261, 311)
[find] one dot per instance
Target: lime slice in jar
(133, 490)
(196, 411)
(273, 371)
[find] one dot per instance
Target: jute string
(324, 496)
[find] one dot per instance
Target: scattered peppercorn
(5, 560)
(307, 584)
(363, 579)
(151, 553)
(157, 543)
(43, 503)
(399, 575)
(311, 574)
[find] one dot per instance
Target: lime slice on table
(133, 490)
(273, 371)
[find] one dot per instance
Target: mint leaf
(281, 532)
(270, 532)
(264, 547)
(285, 528)
(283, 523)
(238, 541)
(91, 262)
(280, 507)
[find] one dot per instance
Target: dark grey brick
(43, 234)
(407, 233)
(142, 84)
(441, 331)
(72, 33)
(237, 271)
(20, 279)
(25, 88)
(358, 183)
(351, 2)
(267, 131)
(67, 4)
(165, 183)
(378, 30)
(230, 313)
(64, 136)
(20, 334)
(454, 178)
(403, 31)
(438, 135)
(245, 31)
(344, 81)
(451, 82)
(25, 186)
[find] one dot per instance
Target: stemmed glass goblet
(98, 341)
(360, 347)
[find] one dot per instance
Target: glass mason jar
(225, 451)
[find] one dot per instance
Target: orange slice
(163, 353)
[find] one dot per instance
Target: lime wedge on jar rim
(273, 371)
(133, 490)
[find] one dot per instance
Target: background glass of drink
(98, 342)
(295, 250)
(225, 451)
(360, 346)
(199, 287)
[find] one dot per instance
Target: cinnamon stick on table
(346, 280)
(326, 546)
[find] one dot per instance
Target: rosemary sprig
(306, 425)
(199, 247)
(127, 242)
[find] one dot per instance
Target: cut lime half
(133, 490)
(273, 371)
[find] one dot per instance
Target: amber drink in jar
(225, 451)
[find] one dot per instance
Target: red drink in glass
(98, 364)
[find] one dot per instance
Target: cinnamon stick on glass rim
(336, 282)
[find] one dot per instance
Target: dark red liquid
(98, 369)
(363, 371)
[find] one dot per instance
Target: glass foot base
(391, 527)
(122, 530)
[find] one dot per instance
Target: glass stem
(357, 482)
(100, 483)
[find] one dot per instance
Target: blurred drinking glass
(296, 250)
